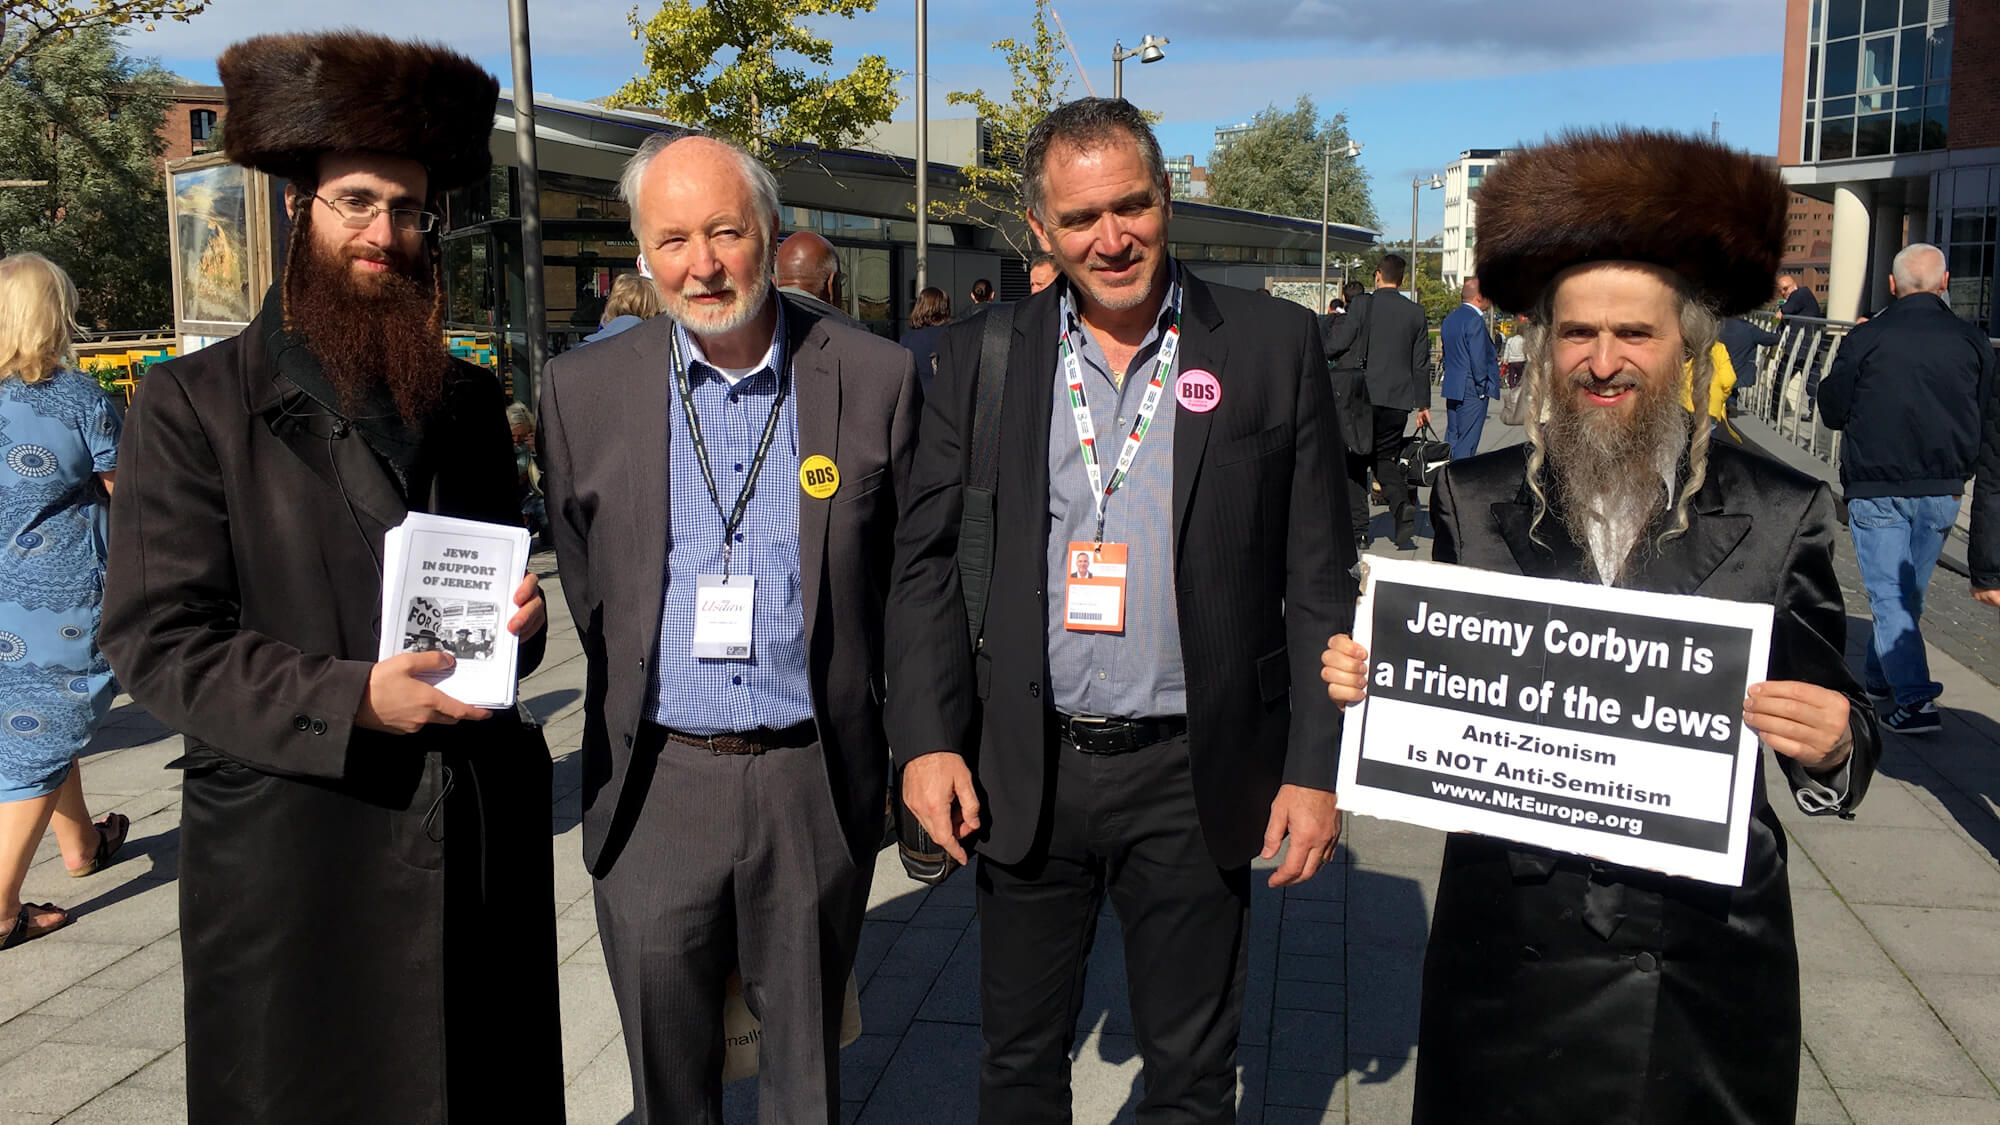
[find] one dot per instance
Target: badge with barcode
(722, 616)
(1094, 598)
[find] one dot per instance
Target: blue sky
(1419, 80)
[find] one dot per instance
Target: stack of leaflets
(448, 586)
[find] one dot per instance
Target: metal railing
(1788, 378)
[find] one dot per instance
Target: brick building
(1890, 112)
(190, 125)
(1808, 242)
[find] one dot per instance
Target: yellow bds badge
(819, 476)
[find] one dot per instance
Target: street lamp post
(1416, 184)
(1325, 198)
(923, 153)
(1148, 51)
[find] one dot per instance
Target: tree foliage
(29, 26)
(86, 118)
(991, 196)
(721, 67)
(1276, 168)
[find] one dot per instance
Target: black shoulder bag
(923, 859)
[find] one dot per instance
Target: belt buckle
(1080, 727)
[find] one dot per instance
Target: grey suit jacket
(604, 440)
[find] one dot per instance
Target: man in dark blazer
(1471, 370)
(1154, 761)
(722, 490)
(366, 921)
(1559, 988)
(1398, 351)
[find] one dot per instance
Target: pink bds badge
(1198, 391)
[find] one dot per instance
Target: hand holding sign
(1344, 667)
(1804, 722)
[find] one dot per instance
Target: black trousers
(733, 861)
(1123, 824)
(1390, 424)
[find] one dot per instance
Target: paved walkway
(1897, 915)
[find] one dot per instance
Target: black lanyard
(684, 383)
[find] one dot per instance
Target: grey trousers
(733, 861)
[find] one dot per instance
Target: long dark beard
(368, 331)
(1614, 468)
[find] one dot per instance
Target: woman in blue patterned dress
(58, 449)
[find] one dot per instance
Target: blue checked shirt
(772, 688)
(1136, 674)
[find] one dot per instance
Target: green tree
(28, 26)
(991, 196)
(720, 66)
(84, 117)
(1276, 167)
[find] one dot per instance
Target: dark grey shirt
(1137, 673)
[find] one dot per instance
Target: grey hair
(518, 414)
(1086, 123)
(1918, 268)
(763, 184)
(1700, 329)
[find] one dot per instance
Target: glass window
(1882, 15)
(1878, 62)
(1939, 94)
(201, 125)
(1909, 130)
(1871, 134)
(1843, 17)
(1842, 63)
(1916, 11)
(1838, 107)
(1940, 68)
(1910, 68)
(1806, 142)
(1836, 138)
(1935, 133)
(1812, 72)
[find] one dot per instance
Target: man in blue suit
(1471, 371)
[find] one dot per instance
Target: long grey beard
(1611, 476)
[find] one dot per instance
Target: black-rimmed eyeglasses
(357, 214)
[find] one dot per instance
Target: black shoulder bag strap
(976, 521)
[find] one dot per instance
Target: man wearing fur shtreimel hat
(365, 877)
(1559, 988)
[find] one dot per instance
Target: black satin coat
(367, 926)
(1562, 989)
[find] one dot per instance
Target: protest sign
(1566, 715)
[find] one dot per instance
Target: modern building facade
(1461, 208)
(1890, 112)
(1226, 135)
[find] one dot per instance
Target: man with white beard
(722, 491)
(1557, 987)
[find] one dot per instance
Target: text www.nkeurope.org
(1516, 802)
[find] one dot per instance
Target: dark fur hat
(1711, 214)
(292, 98)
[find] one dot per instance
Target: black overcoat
(366, 919)
(1560, 989)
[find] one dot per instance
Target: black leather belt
(745, 742)
(1094, 734)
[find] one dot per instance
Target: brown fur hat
(1711, 214)
(292, 98)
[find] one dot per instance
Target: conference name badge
(722, 607)
(1094, 600)
(819, 476)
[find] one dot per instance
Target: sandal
(111, 833)
(24, 928)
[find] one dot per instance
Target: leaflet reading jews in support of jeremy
(1566, 715)
(448, 586)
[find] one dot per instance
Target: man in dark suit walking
(723, 484)
(1134, 733)
(1471, 370)
(1398, 350)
